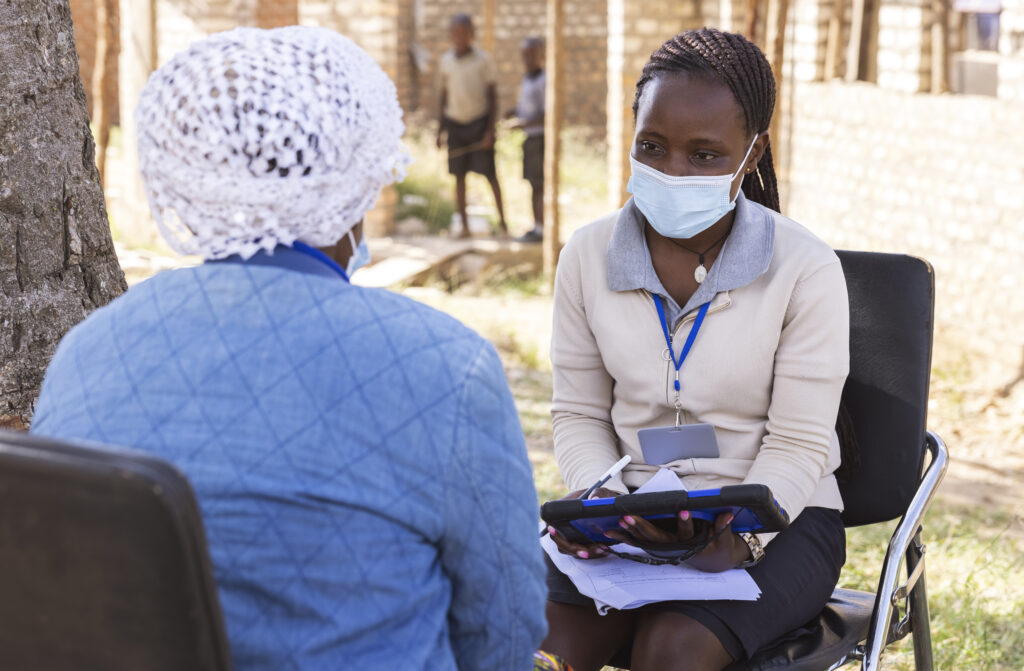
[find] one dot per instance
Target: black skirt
(797, 575)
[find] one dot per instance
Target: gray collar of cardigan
(745, 256)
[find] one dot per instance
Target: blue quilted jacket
(357, 457)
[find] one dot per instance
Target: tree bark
(57, 260)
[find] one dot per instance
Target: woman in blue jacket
(357, 456)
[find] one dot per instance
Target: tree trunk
(57, 260)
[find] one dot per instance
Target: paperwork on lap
(620, 584)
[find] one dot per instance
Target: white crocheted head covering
(252, 138)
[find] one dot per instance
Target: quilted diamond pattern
(357, 457)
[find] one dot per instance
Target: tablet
(580, 521)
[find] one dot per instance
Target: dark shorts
(533, 161)
(463, 136)
(797, 575)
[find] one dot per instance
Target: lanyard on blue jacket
(320, 256)
(678, 363)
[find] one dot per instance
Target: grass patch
(975, 586)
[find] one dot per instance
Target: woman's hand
(724, 552)
(579, 550)
(721, 554)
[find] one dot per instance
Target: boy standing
(469, 112)
(529, 114)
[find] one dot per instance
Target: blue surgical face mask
(360, 254)
(681, 207)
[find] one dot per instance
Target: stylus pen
(608, 475)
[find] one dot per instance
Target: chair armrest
(902, 537)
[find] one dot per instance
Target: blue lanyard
(320, 256)
(658, 302)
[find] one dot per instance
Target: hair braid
(737, 62)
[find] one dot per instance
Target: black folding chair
(886, 394)
(103, 563)
(891, 318)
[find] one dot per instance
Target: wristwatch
(756, 550)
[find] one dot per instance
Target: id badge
(663, 444)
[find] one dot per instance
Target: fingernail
(582, 554)
(629, 520)
(552, 532)
(731, 518)
(623, 524)
(684, 514)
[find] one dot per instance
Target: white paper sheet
(614, 582)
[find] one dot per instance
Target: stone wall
(935, 176)
(584, 48)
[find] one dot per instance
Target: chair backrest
(891, 319)
(103, 563)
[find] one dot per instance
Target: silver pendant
(700, 273)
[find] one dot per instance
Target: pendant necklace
(701, 273)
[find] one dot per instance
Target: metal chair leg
(920, 620)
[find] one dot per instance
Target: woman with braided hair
(701, 255)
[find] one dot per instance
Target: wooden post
(553, 96)
(488, 36)
(833, 47)
(778, 61)
(138, 58)
(107, 48)
(940, 46)
(750, 20)
(856, 35)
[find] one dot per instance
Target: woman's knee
(672, 641)
(582, 637)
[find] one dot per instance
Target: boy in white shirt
(467, 80)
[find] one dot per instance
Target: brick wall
(277, 13)
(584, 48)
(904, 45)
(903, 61)
(181, 22)
(935, 176)
(1011, 50)
(635, 30)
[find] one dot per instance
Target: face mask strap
(745, 157)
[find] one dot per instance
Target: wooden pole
(750, 20)
(856, 36)
(778, 61)
(940, 46)
(553, 96)
(102, 73)
(834, 48)
(488, 37)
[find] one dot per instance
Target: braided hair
(737, 62)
